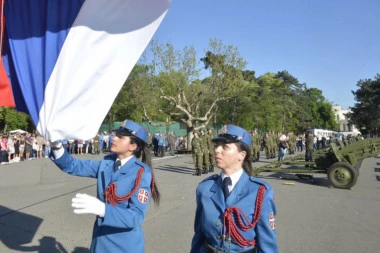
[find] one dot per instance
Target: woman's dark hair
(146, 157)
(247, 165)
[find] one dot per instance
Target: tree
(366, 112)
(265, 109)
(287, 89)
(167, 87)
(326, 116)
(237, 109)
(281, 102)
(175, 74)
(136, 95)
(11, 119)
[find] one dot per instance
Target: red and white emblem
(143, 196)
(272, 221)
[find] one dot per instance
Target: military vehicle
(341, 162)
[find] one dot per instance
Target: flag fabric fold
(72, 57)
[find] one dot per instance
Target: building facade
(342, 118)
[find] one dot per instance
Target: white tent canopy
(18, 131)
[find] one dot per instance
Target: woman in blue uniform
(235, 211)
(125, 186)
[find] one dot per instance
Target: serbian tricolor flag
(64, 61)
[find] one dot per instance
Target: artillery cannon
(340, 163)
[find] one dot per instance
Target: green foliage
(11, 119)
(366, 112)
(182, 95)
(267, 109)
(137, 91)
(167, 87)
(227, 69)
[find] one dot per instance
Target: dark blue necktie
(226, 182)
(116, 165)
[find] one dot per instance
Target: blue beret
(128, 127)
(231, 133)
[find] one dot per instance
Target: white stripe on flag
(102, 47)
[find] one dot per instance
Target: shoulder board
(110, 157)
(141, 164)
(213, 177)
(260, 181)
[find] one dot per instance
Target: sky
(329, 45)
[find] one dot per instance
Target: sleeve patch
(143, 196)
(272, 221)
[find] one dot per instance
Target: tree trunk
(189, 137)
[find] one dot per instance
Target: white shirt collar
(124, 161)
(234, 178)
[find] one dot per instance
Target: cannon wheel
(342, 175)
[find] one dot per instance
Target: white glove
(55, 145)
(84, 203)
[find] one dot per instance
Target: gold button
(217, 223)
(218, 237)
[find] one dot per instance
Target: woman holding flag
(235, 211)
(125, 186)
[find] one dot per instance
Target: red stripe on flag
(6, 94)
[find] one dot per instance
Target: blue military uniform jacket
(120, 228)
(208, 225)
(161, 140)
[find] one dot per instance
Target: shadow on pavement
(264, 161)
(176, 169)
(18, 229)
(283, 176)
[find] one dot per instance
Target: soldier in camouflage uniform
(253, 153)
(211, 148)
(257, 142)
(96, 144)
(273, 144)
(196, 144)
(270, 144)
(292, 143)
(205, 151)
(255, 145)
(309, 147)
(266, 143)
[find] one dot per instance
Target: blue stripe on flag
(36, 31)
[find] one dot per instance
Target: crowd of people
(20, 147)
(273, 144)
(203, 151)
(221, 199)
(162, 143)
(16, 147)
